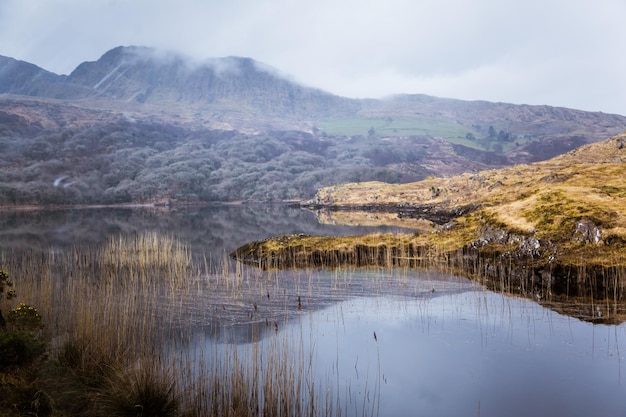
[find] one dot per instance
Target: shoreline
(535, 269)
(161, 206)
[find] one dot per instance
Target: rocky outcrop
(587, 232)
(435, 213)
(19, 77)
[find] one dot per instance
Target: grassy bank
(587, 282)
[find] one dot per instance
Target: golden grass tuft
(145, 256)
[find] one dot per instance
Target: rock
(587, 232)
(530, 247)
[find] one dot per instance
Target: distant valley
(147, 126)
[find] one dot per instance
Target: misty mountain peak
(158, 77)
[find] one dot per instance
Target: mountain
(144, 125)
(172, 83)
(143, 75)
(19, 77)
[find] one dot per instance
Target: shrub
(20, 399)
(24, 317)
(144, 392)
(5, 284)
(19, 348)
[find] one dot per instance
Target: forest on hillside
(146, 162)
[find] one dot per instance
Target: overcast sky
(569, 53)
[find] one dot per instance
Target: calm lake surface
(390, 342)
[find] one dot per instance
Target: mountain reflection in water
(209, 230)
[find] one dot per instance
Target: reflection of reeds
(119, 328)
(145, 256)
(574, 285)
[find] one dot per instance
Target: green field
(385, 127)
(394, 127)
(451, 131)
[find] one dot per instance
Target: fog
(555, 52)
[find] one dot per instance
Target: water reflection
(246, 305)
(393, 342)
(398, 342)
(464, 353)
(209, 230)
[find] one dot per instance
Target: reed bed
(122, 333)
(126, 335)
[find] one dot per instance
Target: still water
(391, 343)
(474, 353)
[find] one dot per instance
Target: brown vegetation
(545, 199)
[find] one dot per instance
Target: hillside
(543, 199)
(539, 199)
(146, 126)
(546, 230)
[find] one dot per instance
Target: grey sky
(568, 53)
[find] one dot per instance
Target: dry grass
(544, 198)
(368, 218)
(510, 214)
(119, 329)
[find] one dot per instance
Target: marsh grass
(121, 322)
(127, 325)
(147, 390)
(275, 378)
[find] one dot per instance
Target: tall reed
(123, 332)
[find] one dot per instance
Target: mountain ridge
(149, 76)
(94, 77)
(21, 77)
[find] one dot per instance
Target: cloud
(556, 52)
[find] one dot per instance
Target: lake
(388, 342)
